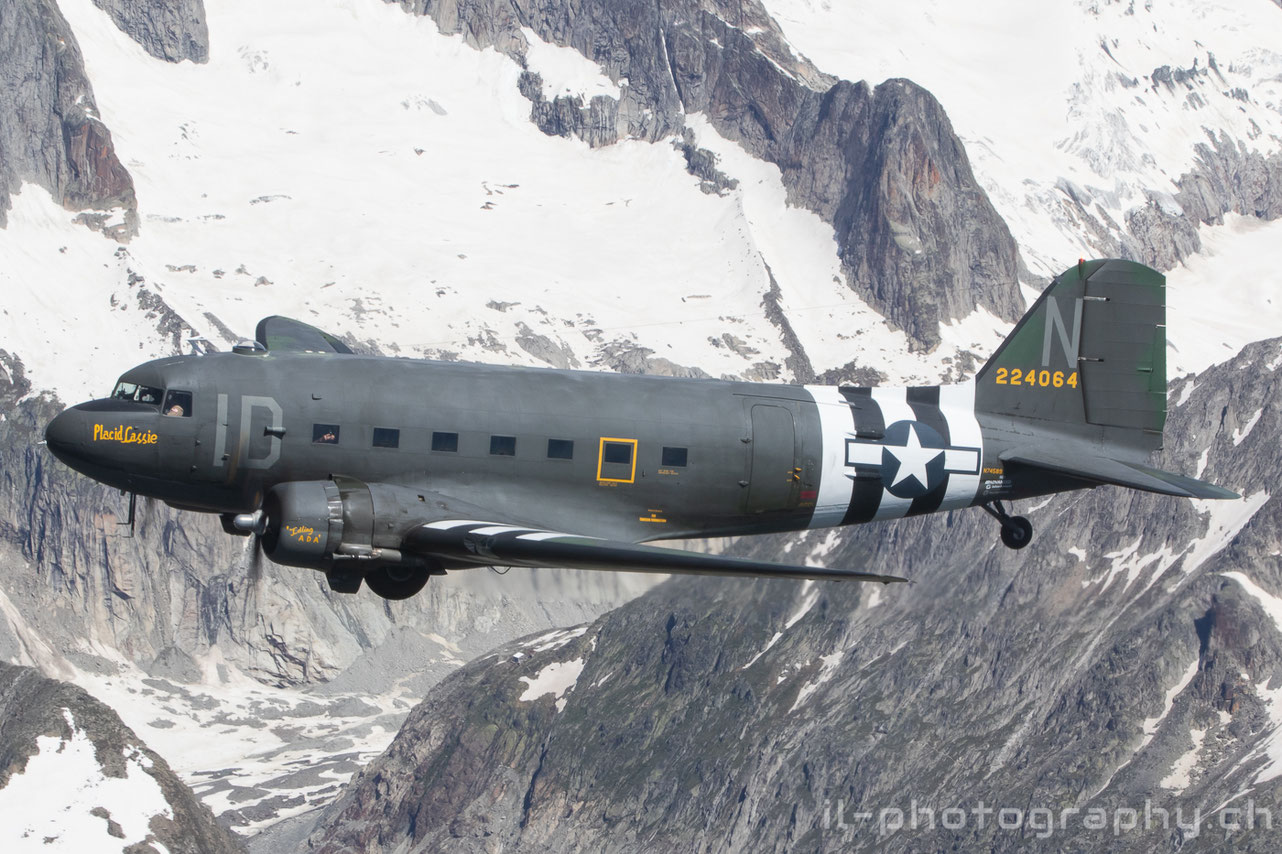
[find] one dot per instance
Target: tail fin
(1090, 353)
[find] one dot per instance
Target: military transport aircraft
(388, 471)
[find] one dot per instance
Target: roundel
(912, 459)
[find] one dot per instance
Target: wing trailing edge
(1103, 470)
(486, 544)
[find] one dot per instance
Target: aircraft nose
(66, 435)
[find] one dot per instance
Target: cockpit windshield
(139, 393)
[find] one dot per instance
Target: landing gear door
(774, 478)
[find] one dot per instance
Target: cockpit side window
(177, 403)
(138, 393)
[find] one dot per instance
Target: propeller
(254, 559)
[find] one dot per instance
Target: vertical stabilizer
(1091, 352)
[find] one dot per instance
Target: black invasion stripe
(924, 401)
(866, 496)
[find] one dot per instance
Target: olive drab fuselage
(649, 457)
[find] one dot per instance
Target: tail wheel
(1017, 532)
(397, 582)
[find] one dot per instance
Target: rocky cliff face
(1228, 177)
(172, 31)
(50, 133)
(916, 235)
(1129, 660)
(117, 793)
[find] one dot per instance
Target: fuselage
(626, 456)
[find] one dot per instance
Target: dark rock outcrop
(1067, 682)
(917, 236)
(172, 30)
(50, 133)
(32, 706)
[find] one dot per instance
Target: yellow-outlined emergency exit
(601, 463)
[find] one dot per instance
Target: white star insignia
(913, 459)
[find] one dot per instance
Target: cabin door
(774, 478)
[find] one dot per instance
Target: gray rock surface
(50, 133)
(1079, 674)
(917, 236)
(172, 30)
(32, 706)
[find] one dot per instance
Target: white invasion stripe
(836, 424)
(497, 529)
(863, 453)
(960, 460)
(544, 535)
(449, 524)
(958, 405)
(894, 407)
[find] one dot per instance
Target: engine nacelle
(322, 524)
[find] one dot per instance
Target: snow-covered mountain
(690, 188)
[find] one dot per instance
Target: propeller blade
(255, 559)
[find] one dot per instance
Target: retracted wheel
(1017, 532)
(397, 582)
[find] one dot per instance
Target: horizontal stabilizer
(488, 544)
(1104, 470)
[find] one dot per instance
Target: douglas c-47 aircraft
(388, 471)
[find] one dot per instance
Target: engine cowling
(304, 523)
(323, 524)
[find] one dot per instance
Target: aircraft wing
(1097, 469)
(489, 544)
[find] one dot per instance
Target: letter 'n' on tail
(1079, 386)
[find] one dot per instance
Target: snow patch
(555, 679)
(1186, 393)
(1241, 433)
(1181, 772)
(48, 806)
(826, 671)
(773, 640)
(565, 71)
(555, 639)
(825, 546)
(1226, 519)
(1151, 725)
(809, 595)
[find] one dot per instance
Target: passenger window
(386, 437)
(618, 452)
(325, 434)
(560, 449)
(503, 446)
(445, 442)
(177, 403)
(675, 457)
